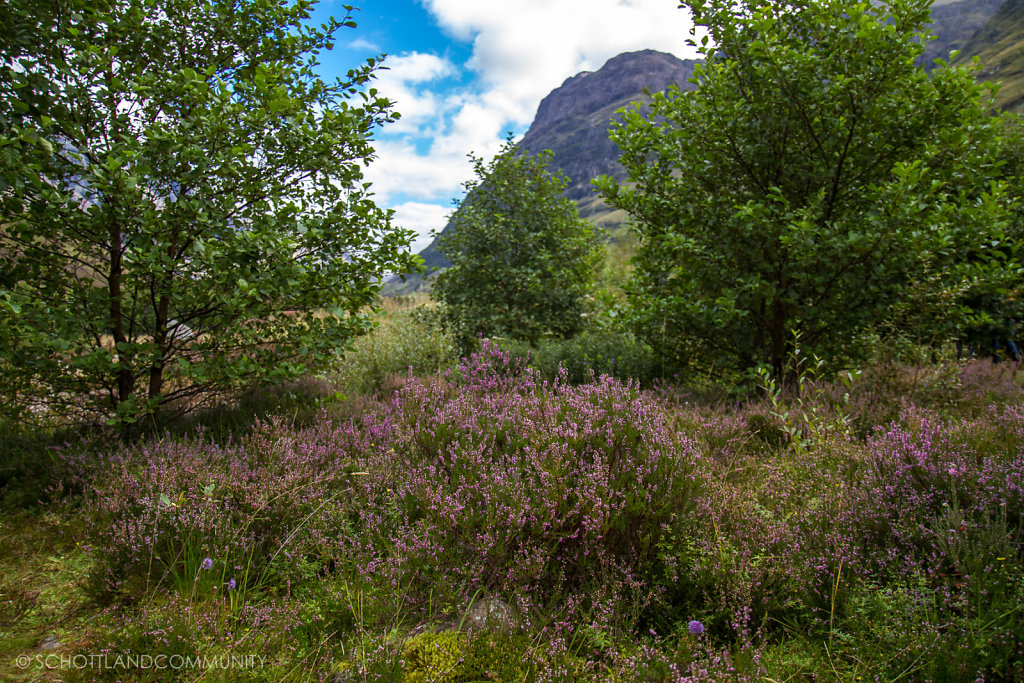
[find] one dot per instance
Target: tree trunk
(125, 378)
(156, 369)
(777, 334)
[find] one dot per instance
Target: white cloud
(400, 171)
(364, 45)
(521, 52)
(423, 218)
(529, 47)
(397, 82)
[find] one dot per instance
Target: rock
(484, 614)
(50, 643)
(488, 614)
(573, 120)
(345, 674)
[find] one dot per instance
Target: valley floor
(480, 524)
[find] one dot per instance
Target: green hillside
(999, 45)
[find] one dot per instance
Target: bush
(410, 340)
(597, 514)
(507, 486)
(257, 509)
(589, 354)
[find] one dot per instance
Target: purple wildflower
(231, 585)
(207, 564)
(696, 628)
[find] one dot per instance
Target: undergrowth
(488, 521)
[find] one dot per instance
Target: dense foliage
(183, 205)
(814, 180)
(860, 530)
(522, 258)
(420, 518)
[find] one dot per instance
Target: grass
(42, 594)
(866, 530)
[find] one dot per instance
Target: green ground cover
(483, 522)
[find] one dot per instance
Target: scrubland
(480, 520)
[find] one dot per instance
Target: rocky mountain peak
(573, 120)
(621, 79)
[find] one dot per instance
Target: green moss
(494, 657)
(437, 657)
(453, 657)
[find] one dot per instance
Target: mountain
(573, 122)
(999, 44)
(954, 24)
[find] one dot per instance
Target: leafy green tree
(183, 209)
(522, 258)
(814, 180)
(993, 305)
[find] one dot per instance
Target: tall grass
(872, 529)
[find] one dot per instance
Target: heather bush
(213, 631)
(606, 519)
(951, 389)
(538, 491)
(167, 634)
(196, 515)
(925, 472)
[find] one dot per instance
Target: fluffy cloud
(402, 171)
(521, 51)
(529, 47)
(399, 81)
(423, 218)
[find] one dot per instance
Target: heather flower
(695, 627)
(207, 564)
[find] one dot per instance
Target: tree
(182, 198)
(815, 179)
(522, 258)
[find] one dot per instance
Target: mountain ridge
(573, 120)
(999, 46)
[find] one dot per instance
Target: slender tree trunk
(125, 378)
(156, 370)
(777, 339)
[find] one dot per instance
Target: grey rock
(488, 614)
(483, 614)
(50, 643)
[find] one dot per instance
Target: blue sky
(464, 73)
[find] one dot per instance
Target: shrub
(590, 354)
(257, 509)
(509, 485)
(606, 519)
(409, 340)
